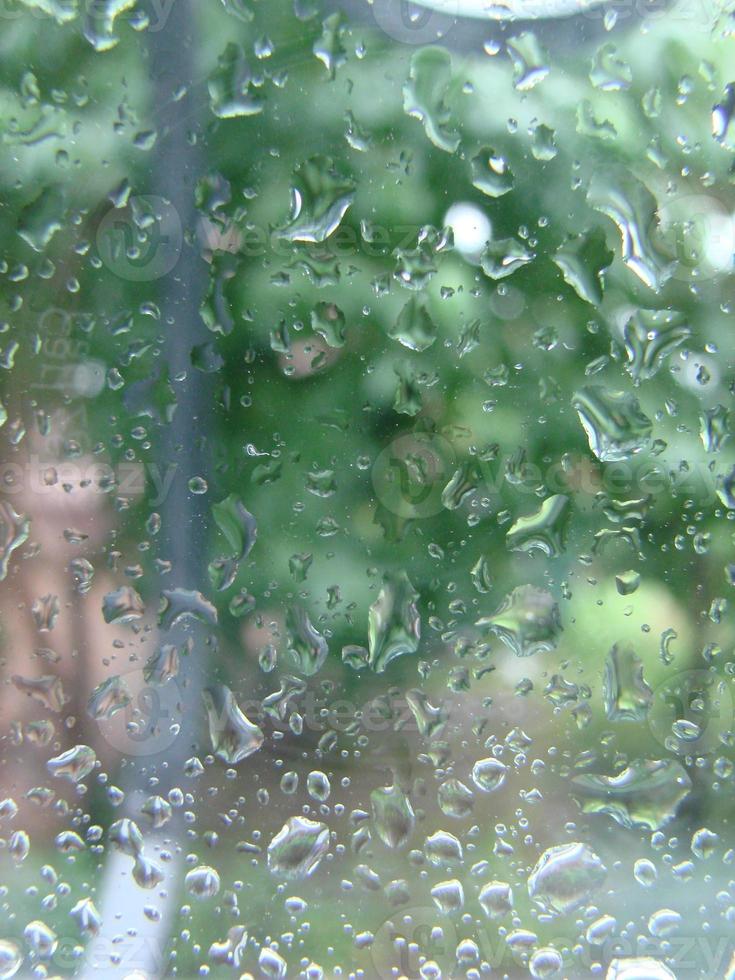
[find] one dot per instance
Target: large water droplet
(650, 337)
(582, 261)
(320, 196)
(527, 621)
(425, 94)
(232, 86)
(122, 606)
(298, 847)
(108, 698)
(565, 877)
(234, 737)
(393, 816)
(11, 959)
(75, 764)
(14, 531)
(543, 530)
(489, 774)
(202, 882)
(394, 624)
(638, 968)
(647, 793)
(616, 427)
(306, 645)
(627, 695)
(629, 203)
(414, 327)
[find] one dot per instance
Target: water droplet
(582, 260)
(75, 764)
(234, 737)
(414, 327)
(157, 810)
(489, 774)
(599, 931)
(527, 621)
(318, 786)
(40, 220)
(496, 899)
(609, 72)
(647, 793)
(122, 606)
(542, 531)
(663, 923)
(638, 968)
(232, 86)
(298, 848)
(328, 48)
(41, 939)
(87, 918)
(545, 962)
(645, 872)
(627, 695)
(448, 896)
(146, 873)
(627, 582)
(723, 114)
(320, 196)
(491, 173)
(650, 337)
(530, 61)
(502, 257)
(202, 882)
(393, 816)
(14, 531)
(443, 848)
(198, 485)
(11, 959)
(307, 646)
(125, 836)
(455, 799)
(394, 624)
(714, 428)
(162, 666)
(543, 142)
(629, 203)
(704, 843)
(425, 94)
(108, 698)
(178, 605)
(565, 877)
(99, 22)
(616, 427)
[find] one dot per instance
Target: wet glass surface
(367, 489)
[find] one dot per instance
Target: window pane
(367, 489)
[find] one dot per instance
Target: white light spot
(88, 379)
(471, 227)
(720, 241)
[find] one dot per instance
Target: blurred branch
(176, 166)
